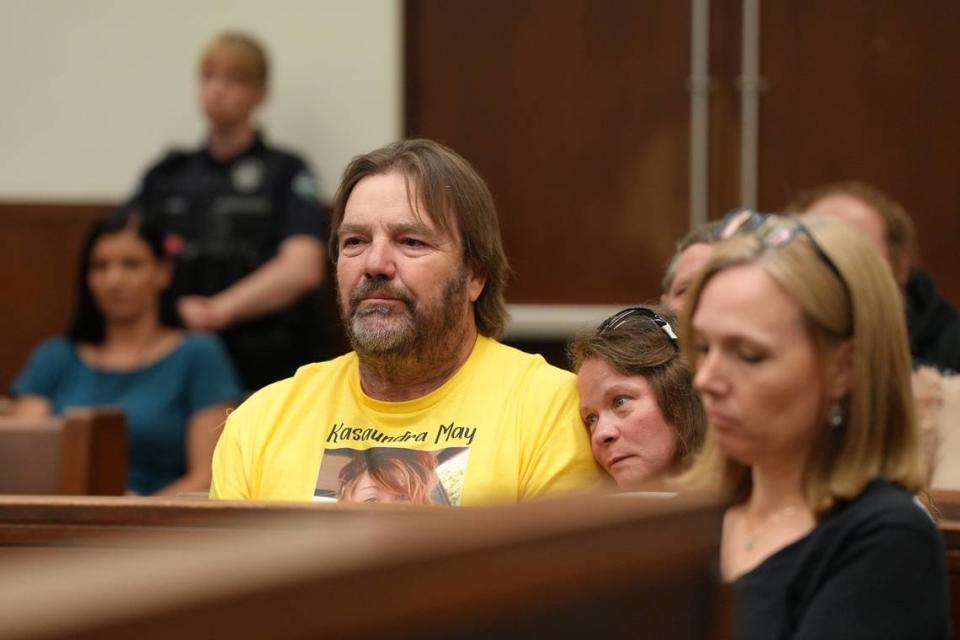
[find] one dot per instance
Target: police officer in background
(243, 224)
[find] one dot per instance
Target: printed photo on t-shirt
(393, 475)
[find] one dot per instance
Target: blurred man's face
(857, 214)
(868, 222)
(689, 263)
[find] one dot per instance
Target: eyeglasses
(741, 220)
(777, 232)
(774, 233)
(617, 319)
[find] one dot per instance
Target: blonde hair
(879, 438)
(242, 53)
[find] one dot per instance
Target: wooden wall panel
(39, 248)
(724, 125)
(576, 114)
(865, 89)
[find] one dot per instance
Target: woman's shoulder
(198, 347)
(887, 504)
(56, 348)
(198, 342)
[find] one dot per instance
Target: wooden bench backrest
(573, 568)
(947, 504)
(82, 453)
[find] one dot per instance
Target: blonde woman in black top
(797, 337)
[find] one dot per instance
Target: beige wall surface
(93, 91)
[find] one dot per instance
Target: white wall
(92, 91)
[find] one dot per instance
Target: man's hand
(201, 313)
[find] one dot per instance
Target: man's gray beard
(395, 335)
(411, 332)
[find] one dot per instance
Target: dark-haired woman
(123, 349)
(637, 401)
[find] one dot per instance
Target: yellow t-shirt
(504, 428)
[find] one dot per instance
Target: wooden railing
(578, 567)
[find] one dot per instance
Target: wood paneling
(724, 126)
(39, 249)
(566, 568)
(865, 89)
(576, 115)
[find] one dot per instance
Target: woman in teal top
(123, 349)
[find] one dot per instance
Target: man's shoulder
(308, 377)
(523, 367)
(308, 384)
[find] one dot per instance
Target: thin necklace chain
(753, 534)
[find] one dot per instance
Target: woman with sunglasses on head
(636, 398)
(799, 346)
(123, 349)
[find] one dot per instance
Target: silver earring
(835, 415)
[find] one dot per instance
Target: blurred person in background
(933, 324)
(123, 349)
(691, 254)
(243, 225)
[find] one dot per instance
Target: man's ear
(902, 266)
(475, 284)
(840, 366)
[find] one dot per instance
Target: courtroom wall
(94, 91)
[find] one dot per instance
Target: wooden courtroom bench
(948, 505)
(82, 453)
(56, 521)
(577, 567)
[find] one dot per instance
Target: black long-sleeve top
(873, 568)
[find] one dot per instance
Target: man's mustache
(374, 289)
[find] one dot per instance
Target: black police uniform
(223, 220)
(933, 324)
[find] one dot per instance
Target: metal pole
(699, 86)
(749, 103)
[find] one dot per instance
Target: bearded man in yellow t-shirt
(428, 407)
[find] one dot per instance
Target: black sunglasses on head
(620, 317)
(741, 221)
(775, 232)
